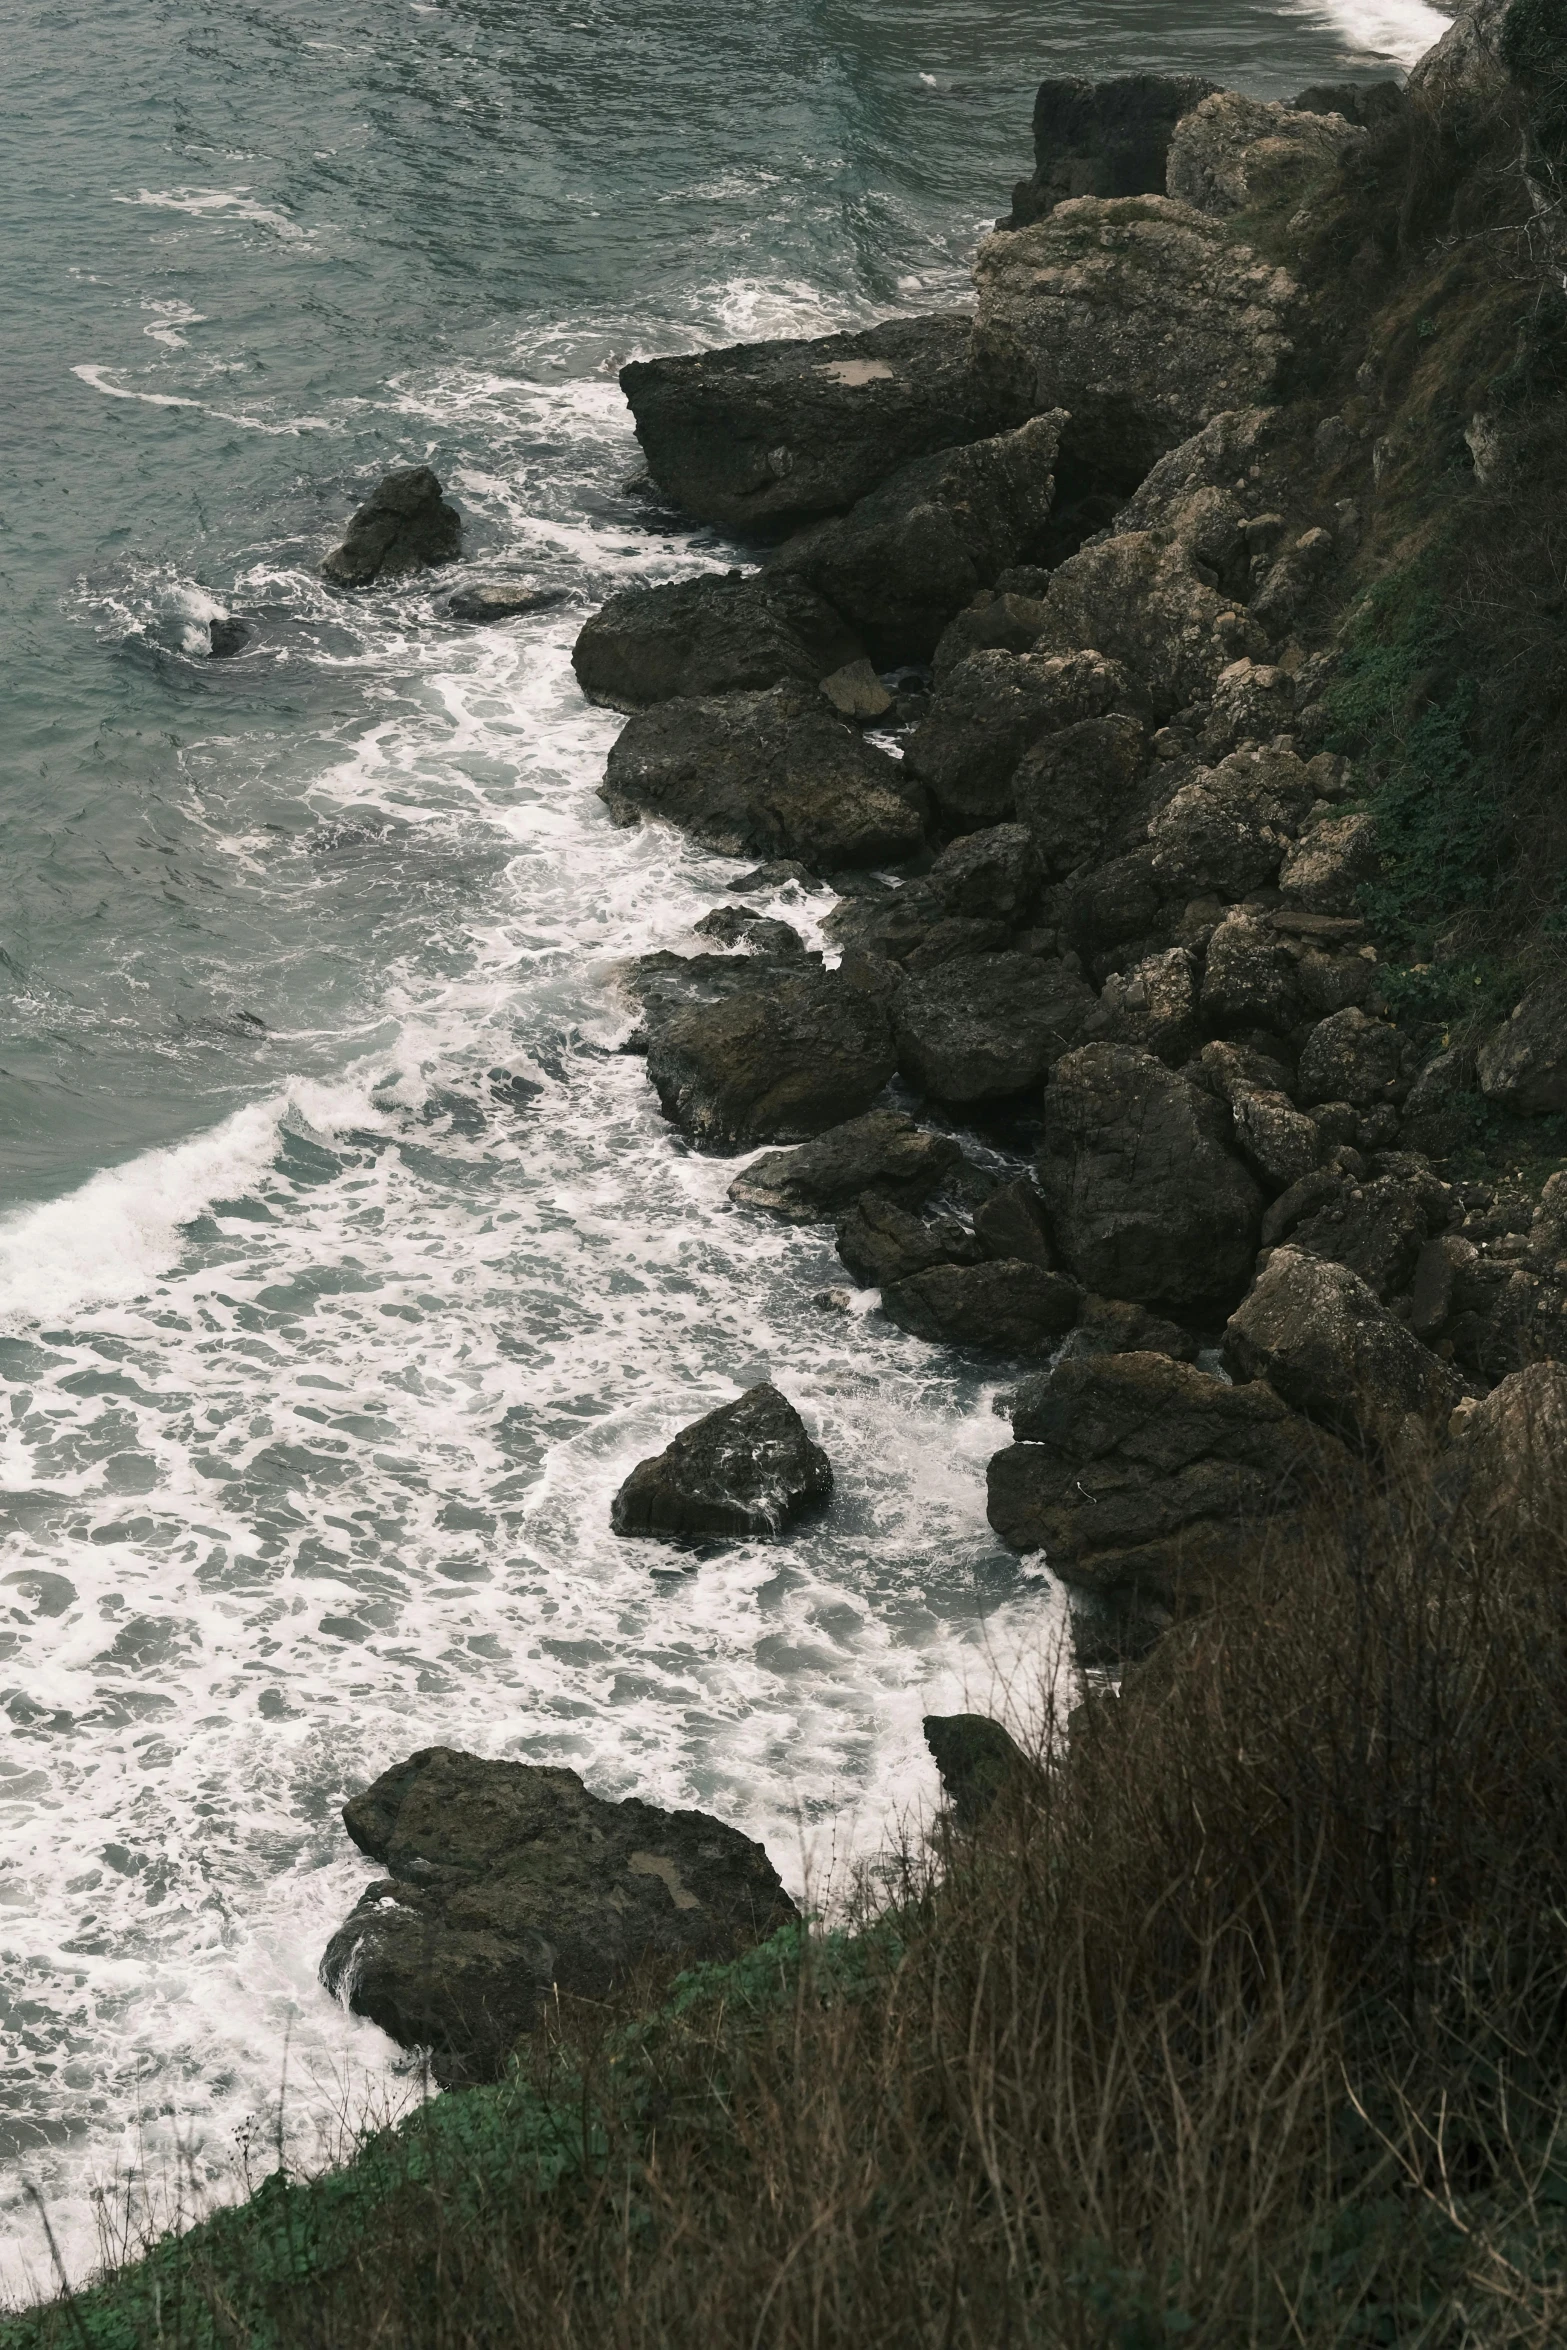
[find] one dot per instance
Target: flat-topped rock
(750, 1468)
(711, 635)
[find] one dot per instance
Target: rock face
(1006, 1307)
(1133, 1470)
(1143, 318)
(1524, 1065)
(784, 1056)
(884, 1152)
(1102, 139)
(403, 525)
(1230, 152)
(1226, 831)
(509, 1878)
(708, 636)
(750, 1468)
(1323, 1341)
(916, 550)
(974, 1758)
(764, 436)
(774, 774)
(980, 1027)
(1144, 1196)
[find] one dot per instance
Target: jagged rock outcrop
(976, 1760)
(774, 774)
(1230, 152)
(1141, 317)
(1137, 1471)
(749, 1468)
(1004, 1306)
(509, 1881)
(1109, 138)
(903, 560)
(709, 636)
(1524, 1065)
(989, 710)
(884, 1152)
(1323, 1340)
(404, 525)
(764, 436)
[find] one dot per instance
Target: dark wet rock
(1377, 1229)
(913, 553)
(709, 636)
(664, 983)
(489, 600)
(742, 926)
(764, 436)
(1351, 1057)
(995, 621)
(1106, 138)
(509, 1881)
(1003, 1307)
(227, 635)
(880, 1242)
(1011, 1223)
(975, 1760)
(1114, 1326)
(983, 1027)
(1326, 1343)
(884, 1152)
(855, 691)
(775, 774)
(1145, 1198)
(1141, 317)
(992, 875)
(952, 938)
(749, 1468)
(1077, 791)
(783, 1056)
(1141, 1471)
(1228, 829)
(1110, 905)
(402, 526)
(987, 712)
(1153, 1004)
(1524, 1065)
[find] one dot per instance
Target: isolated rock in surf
(509, 1881)
(749, 1468)
(402, 526)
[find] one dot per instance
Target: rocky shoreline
(1113, 1073)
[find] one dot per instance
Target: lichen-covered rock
(884, 1151)
(1145, 1198)
(748, 1468)
(1134, 1470)
(880, 1242)
(509, 1881)
(909, 556)
(1228, 829)
(774, 774)
(709, 636)
(1153, 1005)
(982, 1027)
(764, 436)
(1142, 317)
(404, 525)
(1253, 701)
(1281, 1142)
(1325, 1342)
(1351, 1057)
(783, 1056)
(1249, 975)
(1327, 869)
(1080, 791)
(1109, 138)
(1001, 1307)
(1140, 598)
(1524, 1065)
(1231, 152)
(991, 707)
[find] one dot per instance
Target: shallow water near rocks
(346, 1265)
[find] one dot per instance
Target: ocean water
(345, 1264)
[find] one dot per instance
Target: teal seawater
(344, 1266)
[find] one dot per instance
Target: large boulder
(1351, 1057)
(1226, 831)
(1133, 1470)
(916, 550)
(1081, 792)
(1107, 138)
(1004, 1307)
(509, 1881)
(748, 1468)
(764, 436)
(988, 710)
(990, 876)
(772, 774)
(975, 1760)
(1377, 1229)
(883, 1152)
(1512, 1447)
(1142, 317)
(1331, 864)
(709, 636)
(403, 526)
(1524, 1065)
(1324, 1341)
(1145, 1198)
(982, 1027)
(1231, 152)
(1141, 597)
(783, 1056)
(880, 1242)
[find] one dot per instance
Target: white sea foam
(1398, 30)
(97, 377)
(215, 203)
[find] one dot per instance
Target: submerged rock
(764, 436)
(226, 636)
(749, 1468)
(402, 526)
(709, 636)
(502, 599)
(884, 1152)
(509, 1881)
